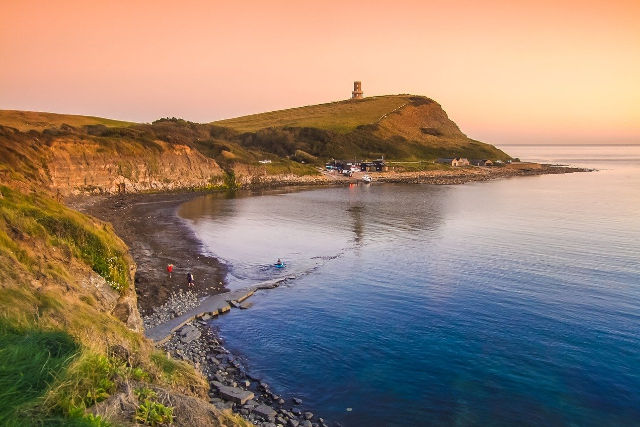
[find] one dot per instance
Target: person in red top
(169, 270)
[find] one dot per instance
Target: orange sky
(505, 71)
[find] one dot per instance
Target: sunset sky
(505, 71)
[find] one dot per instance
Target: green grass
(341, 116)
(63, 228)
(172, 371)
(35, 120)
(30, 360)
(153, 413)
(58, 341)
(285, 167)
(90, 380)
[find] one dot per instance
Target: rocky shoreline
(231, 386)
(474, 174)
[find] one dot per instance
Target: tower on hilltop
(357, 90)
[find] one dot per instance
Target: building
(457, 161)
(484, 162)
(460, 161)
(374, 166)
(357, 90)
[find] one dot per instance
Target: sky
(507, 72)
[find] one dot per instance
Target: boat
(279, 265)
(367, 178)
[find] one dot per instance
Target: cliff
(71, 347)
(68, 161)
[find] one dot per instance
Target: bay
(514, 301)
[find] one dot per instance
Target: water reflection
(307, 228)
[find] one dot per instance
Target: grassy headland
(340, 116)
(398, 127)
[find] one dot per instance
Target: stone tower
(357, 90)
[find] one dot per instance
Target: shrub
(144, 393)
(152, 413)
(91, 379)
(230, 180)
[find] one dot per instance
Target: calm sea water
(512, 302)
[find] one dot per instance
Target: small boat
(367, 178)
(279, 265)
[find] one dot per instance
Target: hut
(456, 161)
(483, 162)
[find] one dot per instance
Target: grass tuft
(30, 360)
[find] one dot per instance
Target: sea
(500, 303)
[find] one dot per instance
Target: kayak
(279, 265)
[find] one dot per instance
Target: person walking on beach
(190, 280)
(169, 270)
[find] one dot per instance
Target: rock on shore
(231, 386)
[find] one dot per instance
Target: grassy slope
(56, 339)
(341, 116)
(367, 128)
(34, 120)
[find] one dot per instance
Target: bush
(90, 381)
(230, 180)
(144, 393)
(152, 413)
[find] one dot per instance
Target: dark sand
(156, 236)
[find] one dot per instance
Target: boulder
(188, 334)
(233, 394)
(265, 412)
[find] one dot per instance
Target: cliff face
(87, 167)
(80, 164)
(420, 119)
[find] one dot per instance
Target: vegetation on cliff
(68, 339)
